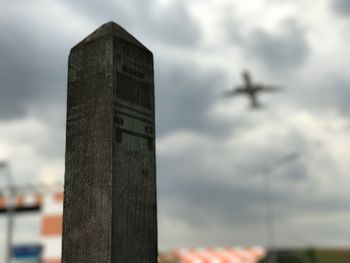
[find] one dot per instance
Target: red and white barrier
(51, 227)
(219, 255)
(21, 202)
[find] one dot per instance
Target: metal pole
(10, 225)
(270, 217)
(10, 212)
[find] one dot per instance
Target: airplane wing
(268, 88)
(235, 92)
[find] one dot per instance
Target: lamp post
(270, 218)
(10, 210)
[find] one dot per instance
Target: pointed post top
(111, 28)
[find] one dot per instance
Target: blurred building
(49, 205)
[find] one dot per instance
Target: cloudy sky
(213, 154)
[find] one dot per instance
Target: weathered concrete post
(110, 182)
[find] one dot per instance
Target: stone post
(110, 180)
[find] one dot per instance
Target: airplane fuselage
(251, 90)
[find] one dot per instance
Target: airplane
(251, 90)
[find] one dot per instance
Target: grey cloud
(326, 92)
(150, 19)
(215, 202)
(32, 67)
(54, 117)
(342, 7)
(227, 195)
(202, 200)
(296, 173)
(284, 50)
(176, 26)
(339, 94)
(184, 94)
(336, 93)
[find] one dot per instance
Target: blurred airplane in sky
(251, 90)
